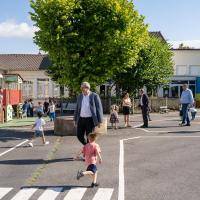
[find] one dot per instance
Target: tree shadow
(34, 161)
(64, 187)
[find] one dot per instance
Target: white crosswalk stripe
(4, 191)
(24, 194)
(52, 193)
(75, 194)
(103, 194)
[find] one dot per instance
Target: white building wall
(187, 62)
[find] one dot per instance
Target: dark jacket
(95, 108)
(145, 100)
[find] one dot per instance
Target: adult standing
(144, 104)
(88, 114)
(30, 108)
(186, 101)
(46, 106)
(126, 105)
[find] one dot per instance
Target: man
(88, 114)
(186, 101)
(144, 104)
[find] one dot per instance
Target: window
(43, 88)
(27, 89)
(195, 70)
(181, 70)
(56, 90)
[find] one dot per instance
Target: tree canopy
(88, 40)
(154, 67)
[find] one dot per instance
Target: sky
(178, 21)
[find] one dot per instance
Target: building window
(181, 70)
(43, 88)
(56, 90)
(27, 89)
(195, 70)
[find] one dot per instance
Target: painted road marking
(103, 194)
(121, 187)
(50, 193)
(11, 149)
(24, 194)
(4, 191)
(75, 194)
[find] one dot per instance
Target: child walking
(92, 153)
(39, 129)
(114, 118)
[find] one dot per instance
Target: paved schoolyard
(158, 163)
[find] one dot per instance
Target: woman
(126, 105)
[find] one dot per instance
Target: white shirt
(141, 103)
(39, 123)
(85, 107)
(52, 108)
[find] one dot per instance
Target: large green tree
(88, 40)
(154, 67)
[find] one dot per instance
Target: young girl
(91, 152)
(114, 118)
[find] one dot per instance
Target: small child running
(91, 152)
(39, 129)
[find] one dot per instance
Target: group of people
(88, 117)
(46, 108)
(126, 106)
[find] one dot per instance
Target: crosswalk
(52, 193)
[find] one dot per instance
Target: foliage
(88, 40)
(154, 67)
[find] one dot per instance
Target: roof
(24, 62)
(157, 34)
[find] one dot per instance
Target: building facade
(186, 70)
(32, 68)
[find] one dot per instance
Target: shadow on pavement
(33, 161)
(11, 134)
(65, 187)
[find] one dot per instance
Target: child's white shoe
(30, 144)
(47, 142)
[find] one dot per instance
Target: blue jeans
(52, 116)
(185, 109)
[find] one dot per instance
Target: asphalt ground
(158, 163)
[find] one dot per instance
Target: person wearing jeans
(186, 101)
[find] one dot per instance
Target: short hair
(39, 114)
(85, 85)
(92, 136)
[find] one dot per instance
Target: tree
(88, 40)
(154, 67)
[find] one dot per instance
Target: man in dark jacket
(144, 104)
(88, 114)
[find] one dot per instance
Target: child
(39, 129)
(40, 108)
(193, 111)
(52, 113)
(91, 151)
(114, 119)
